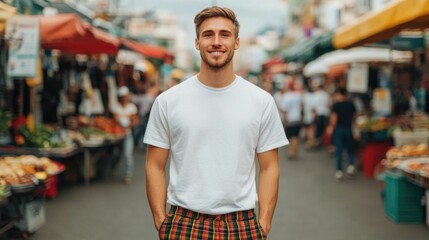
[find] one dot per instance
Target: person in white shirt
(125, 113)
(291, 106)
(323, 111)
(309, 116)
(214, 128)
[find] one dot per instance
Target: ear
(197, 45)
(237, 43)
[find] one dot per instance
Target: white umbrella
(354, 55)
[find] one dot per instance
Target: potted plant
(5, 121)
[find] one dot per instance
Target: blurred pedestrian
(212, 127)
(309, 118)
(322, 110)
(125, 113)
(291, 107)
(341, 127)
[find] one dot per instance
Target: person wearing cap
(125, 113)
(214, 128)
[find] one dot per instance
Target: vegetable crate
(403, 200)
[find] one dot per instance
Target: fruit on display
(108, 125)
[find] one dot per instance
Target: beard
(217, 65)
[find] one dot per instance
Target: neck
(216, 78)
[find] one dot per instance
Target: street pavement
(311, 205)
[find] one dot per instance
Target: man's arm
(156, 182)
(268, 187)
(332, 123)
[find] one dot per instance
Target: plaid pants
(184, 224)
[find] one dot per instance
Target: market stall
(25, 182)
(406, 174)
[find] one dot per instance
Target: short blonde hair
(212, 12)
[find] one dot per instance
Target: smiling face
(217, 41)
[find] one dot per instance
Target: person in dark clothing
(341, 123)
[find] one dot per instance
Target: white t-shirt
(125, 113)
(292, 105)
(213, 135)
(323, 100)
(309, 105)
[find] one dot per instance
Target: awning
(354, 55)
(403, 42)
(384, 23)
(68, 33)
(309, 49)
(6, 12)
(147, 50)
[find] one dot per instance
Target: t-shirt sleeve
(272, 134)
(157, 131)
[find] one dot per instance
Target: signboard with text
(22, 34)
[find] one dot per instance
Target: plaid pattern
(183, 224)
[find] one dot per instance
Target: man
(212, 127)
(341, 125)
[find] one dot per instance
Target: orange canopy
(67, 32)
(383, 24)
(147, 50)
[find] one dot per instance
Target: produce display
(374, 124)
(41, 137)
(408, 150)
(413, 160)
(26, 169)
(108, 125)
(416, 167)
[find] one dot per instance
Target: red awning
(68, 33)
(147, 50)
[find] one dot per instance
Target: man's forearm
(156, 190)
(267, 195)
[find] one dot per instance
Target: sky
(253, 15)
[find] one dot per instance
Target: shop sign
(22, 34)
(357, 78)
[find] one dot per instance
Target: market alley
(311, 205)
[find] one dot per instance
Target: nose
(216, 41)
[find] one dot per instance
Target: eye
(207, 34)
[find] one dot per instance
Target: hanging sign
(22, 34)
(357, 78)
